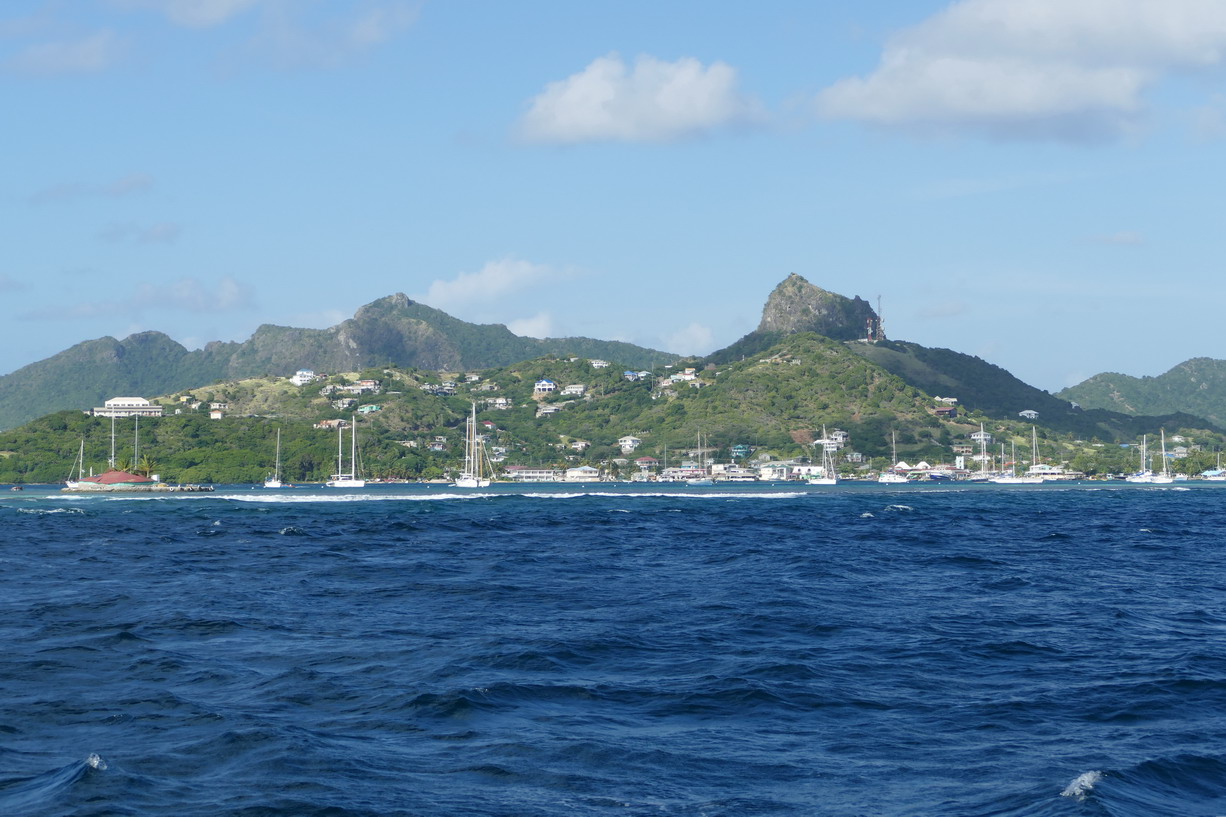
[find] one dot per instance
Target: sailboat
(1025, 479)
(829, 475)
(350, 478)
(274, 481)
(112, 479)
(78, 469)
(702, 477)
(1146, 475)
(474, 474)
(892, 477)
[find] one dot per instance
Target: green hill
(1197, 386)
(392, 331)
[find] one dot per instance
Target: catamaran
(474, 474)
(343, 478)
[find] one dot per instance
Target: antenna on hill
(880, 321)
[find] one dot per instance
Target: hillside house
(600, 364)
(575, 389)
(545, 386)
(128, 407)
(1029, 414)
(628, 443)
(303, 376)
(946, 412)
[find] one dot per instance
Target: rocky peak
(798, 306)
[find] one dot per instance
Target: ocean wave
(45, 511)
(1082, 785)
(1180, 784)
(25, 795)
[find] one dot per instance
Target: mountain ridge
(1197, 385)
(390, 330)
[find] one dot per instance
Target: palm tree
(147, 465)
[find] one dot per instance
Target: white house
(1029, 414)
(526, 473)
(544, 387)
(576, 389)
(302, 377)
(628, 443)
(583, 473)
(600, 364)
(128, 407)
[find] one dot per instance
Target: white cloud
(183, 295)
(289, 41)
(1209, 120)
(1018, 69)
(653, 101)
(323, 319)
(163, 233)
(11, 284)
(693, 339)
(86, 55)
(128, 185)
(193, 13)
(494, 281)
(539, 325)
(1127, 238)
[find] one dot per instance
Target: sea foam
(1082, 785)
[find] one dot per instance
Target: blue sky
(1035, 182)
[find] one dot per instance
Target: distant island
(817, 377)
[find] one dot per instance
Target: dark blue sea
(764, 650)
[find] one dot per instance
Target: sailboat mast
(111, 462)
(353, 452)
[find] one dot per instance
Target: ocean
(615, 650)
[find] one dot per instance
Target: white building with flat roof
(128, 407)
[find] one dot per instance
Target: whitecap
(309, 499)
(899, 508)
(866, 515)
(95, 761)
(1082, 785)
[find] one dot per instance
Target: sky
(1034, 182)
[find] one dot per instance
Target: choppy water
(848, 651)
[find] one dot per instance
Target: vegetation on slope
(1196, 386)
